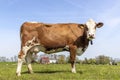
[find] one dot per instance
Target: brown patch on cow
(20, 56)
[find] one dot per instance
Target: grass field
(60, 72)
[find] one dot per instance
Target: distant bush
(101, 59)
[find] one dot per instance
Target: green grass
(60, 72)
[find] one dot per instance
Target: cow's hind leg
(72, 58)
(28, 61)
(21, 58)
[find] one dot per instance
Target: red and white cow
(51, 38)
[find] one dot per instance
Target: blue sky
(14, 12)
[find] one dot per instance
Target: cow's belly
(38, 48)
(32, 47)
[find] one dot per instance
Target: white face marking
(91, 29)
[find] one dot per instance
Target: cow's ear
(82, 26)
(99, 25)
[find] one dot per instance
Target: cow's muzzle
(91, 36)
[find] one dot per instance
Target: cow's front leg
(21, 58)
(73, 57)
(28, 61)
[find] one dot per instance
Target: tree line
(11, 59)
(101, 59)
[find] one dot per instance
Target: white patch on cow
(37, 48)
(67, 47)
(18, 72)
(31, 47)
(73, 68)
(25, 49)
(28, 47)
(91, 28)
(79, 51)
(28, 61)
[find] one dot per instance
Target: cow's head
(91, 28)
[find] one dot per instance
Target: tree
(12, 59)
(15, 58)
(85, 61)
(77, 60)
(102, 59)
(3, 59)
(92, 61)
(61, 59)
(68, 59)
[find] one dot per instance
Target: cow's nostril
(91, 35)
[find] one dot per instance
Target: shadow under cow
(47, 72)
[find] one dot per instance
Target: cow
(51, 38)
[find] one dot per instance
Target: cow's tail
(21, 34)
(22, 30)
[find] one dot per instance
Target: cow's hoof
(18, 74)
(73, 71)
(31, 72)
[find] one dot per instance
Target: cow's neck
(82, 41)
(85, 39)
